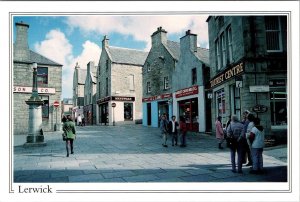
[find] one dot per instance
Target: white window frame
(218, 54)
(229, 40)
(279, 31)
(166, 82)
(223, 49)
(148, 87)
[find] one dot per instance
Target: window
(273, 34)
(45, 106)
(229, 40)
(148, 87)
(223, 49)
(106, 87)
(148, 67)
(42, 75)
(278, 106)
(220, 103)
(218, 54)
(166, 83)
(131, 82)
(106, 65)
(128, 115)
(235, 101)
(194, 76)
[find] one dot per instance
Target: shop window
(278, 107)
(42, 75)
(235, 101)
(128, 109)
(188, 109)
(45, 106)
(148, 87)
(194, 76)
(220, 103)
(273, 34)
(166, 83)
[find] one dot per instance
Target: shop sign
(227, 74)
(121, 98)
(157, 97)
(277, 82)
(260, 108)
(102, 100)
(259, 89)
(24, 89)
(186, 92)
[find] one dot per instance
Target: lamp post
(35, 135)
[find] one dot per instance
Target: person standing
(69, 129)
(257, 138)
(235, 130)
(173, 129)
(219, 131)
(164, 129)
(183, 131)
(250, 125)
(79, 120)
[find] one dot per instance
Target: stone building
(119, 85)
(79, 77)
(157, 78)
(49, 78)
(248, 60)
(67, 106)
(188, 85)
(89, 109)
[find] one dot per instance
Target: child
(257, 138)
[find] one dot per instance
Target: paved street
(135, 154)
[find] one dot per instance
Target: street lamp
(35, 135)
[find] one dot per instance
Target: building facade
(49, 79)
(248, 58)
(119, 85)
(188, 84)
(157, 78)
(89, 109)
(79, 77)
(66, 106)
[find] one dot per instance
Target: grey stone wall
(103, 73)
(160, 68)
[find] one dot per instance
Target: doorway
(149, 114)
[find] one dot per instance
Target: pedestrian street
(134, 153)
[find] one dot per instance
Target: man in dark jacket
(173, 130)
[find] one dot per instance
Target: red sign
(157, 97)
(187, 91)
(55, 103)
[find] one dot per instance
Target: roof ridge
(116, 47)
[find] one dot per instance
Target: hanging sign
(259, 89)
(260, 108)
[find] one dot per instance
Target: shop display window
(128, 108)
(188, 109)
(278, 108)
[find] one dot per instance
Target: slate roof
(35, 57)
(127, 56)
(203, 55)
(174, 49)
(81, 75)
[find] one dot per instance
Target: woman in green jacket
(69, 129)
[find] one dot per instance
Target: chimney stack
(21, 48)
(189, 41)
(105, 42)
(159, 36)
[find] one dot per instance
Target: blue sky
(78, 38)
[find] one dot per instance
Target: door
(149, 114)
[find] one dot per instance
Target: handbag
(64, 136)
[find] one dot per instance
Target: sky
(71, 39)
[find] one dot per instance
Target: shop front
(88, 114)
(154, 107)
(189, 104)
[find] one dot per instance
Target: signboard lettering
(25, 89)
(259, 89)
(157, 97)
(187, 91)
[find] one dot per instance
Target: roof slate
(127, 56)
(203, 55)
(174, 49)
(39, 59)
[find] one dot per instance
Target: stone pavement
(134, 153)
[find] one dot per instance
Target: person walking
(79, 120)
(69, 129)
(235, 131)
(183, 131)
(164, 129)
(219, 131)
(173, 129)
(247, 147)
(257, 138)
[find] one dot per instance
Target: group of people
(70, 133)
(172, 128)
(80, 120)
(246, 138)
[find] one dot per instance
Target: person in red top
(183, 130)
(219, 131)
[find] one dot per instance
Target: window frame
(42, 76)
(148, 87)
(279, 31)
(166, 83)
(194, 76)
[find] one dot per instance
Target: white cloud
(141, 27)
(57, 47)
